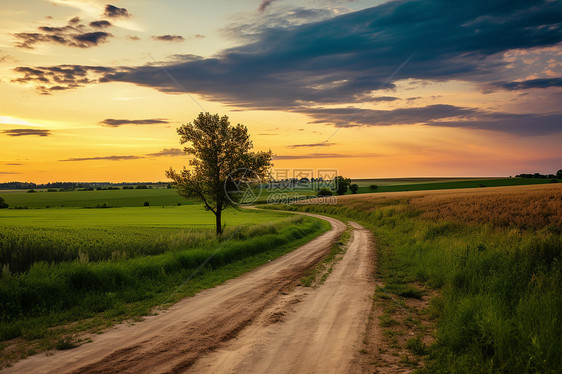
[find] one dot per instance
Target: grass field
(490, 257)
(70, 270)
(155, 216)
(114, 198)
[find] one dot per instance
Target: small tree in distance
(341, 184)
(353, 188)
(221, 158)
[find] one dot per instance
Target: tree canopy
(222, 163)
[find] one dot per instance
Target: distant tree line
(558, 175)
(81, 186)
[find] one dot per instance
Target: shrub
(146, 203)
(324, 191)
(353, 188)
(3, 204)
(373, 186)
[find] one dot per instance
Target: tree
(3, 204)
(353, 188)
(341, 184)
(324, 191)
(559, 174)
(222, 161)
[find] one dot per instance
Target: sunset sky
(94, 90)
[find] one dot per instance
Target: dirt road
(259, 322)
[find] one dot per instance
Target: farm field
(409, 181)
(421, 184)
(190, 216)
(67, 271)
(80, 199)
(470, 279)
(169, 197)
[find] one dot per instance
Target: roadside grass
(495, 284)
(52, 305)
(317, 275)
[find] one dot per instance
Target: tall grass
(48, 294)
(21, 247)
(500, 279)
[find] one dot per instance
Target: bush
(324, 191)
(31, 191)
(3, 204)
(146, 203)
(353, 188)
(373, 186)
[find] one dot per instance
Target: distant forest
(71, 186)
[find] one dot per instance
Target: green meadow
(80, 199)
(66, 271)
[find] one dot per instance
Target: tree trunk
(218, 222)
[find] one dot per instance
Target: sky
(94, 90)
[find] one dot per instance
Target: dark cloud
(520, 124)
(383, 98)
(133, 37)
(8, 172)
(111, 158)
(169, 38)
(27, 132)
(91, 39)
(110, 122)
(264, 4)
(73, 34)
(311, 145)
(115, 12)
(346, 58)
(167, 152)
(349, 117)
(292, 63)
(525, 85)
(62, 77)
(441, 116)
(13, 164)
(100, 24)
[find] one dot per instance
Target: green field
(67, 270)
(114, 198)
(190, 216)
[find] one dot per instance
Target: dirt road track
(324, 332)
(230, 328)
